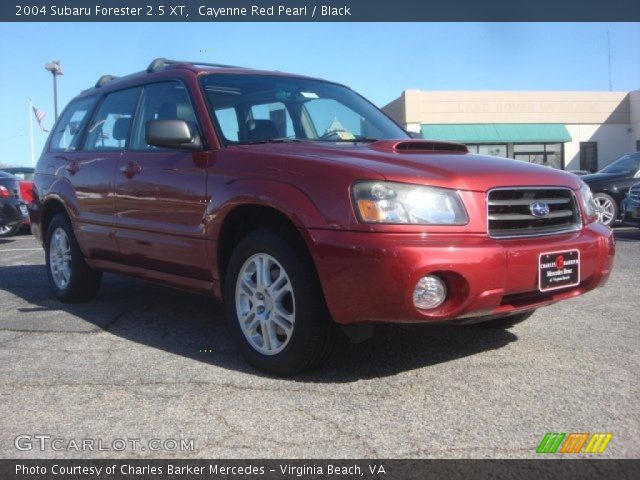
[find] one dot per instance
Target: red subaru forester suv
(303, 207)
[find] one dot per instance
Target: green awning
(498, 132)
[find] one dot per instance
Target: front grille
(509, 212)
(634, 194)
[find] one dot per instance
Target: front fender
(282, 196)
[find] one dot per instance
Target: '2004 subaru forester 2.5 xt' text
(303, 207)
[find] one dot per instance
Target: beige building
(570, 130)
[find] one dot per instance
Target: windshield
(627, 164)
(266, 108)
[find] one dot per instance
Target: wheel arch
(50, 208)
(245, 218)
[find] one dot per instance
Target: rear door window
(110, 126)
(66, 134)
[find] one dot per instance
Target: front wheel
(275, 308)
(70, 277)
(8, 231)
(607, 210)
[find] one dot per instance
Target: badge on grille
(539, 209)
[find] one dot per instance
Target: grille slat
(509, 212)
(550, 201)
(634, 194)
(524, 216)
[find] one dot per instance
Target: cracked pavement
(144, 362)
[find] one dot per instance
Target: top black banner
(322, 11)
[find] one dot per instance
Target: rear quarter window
(67, 132)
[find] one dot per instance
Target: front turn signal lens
(368, 210)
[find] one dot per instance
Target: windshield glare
(625, 164)
(265, 108)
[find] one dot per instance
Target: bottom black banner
(316, 469)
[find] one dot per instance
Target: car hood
(602, 177)
(449, 169)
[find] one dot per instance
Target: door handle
(131, 169)
(72, 167)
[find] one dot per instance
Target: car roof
(19, 169)
(160, 65)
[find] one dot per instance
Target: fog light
(430, 292)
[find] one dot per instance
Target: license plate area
(24, 211)
(558, 270)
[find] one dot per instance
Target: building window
(548, 154)
(637, 145)
(496, 150)
(589, 156)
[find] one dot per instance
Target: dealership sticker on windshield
(558, 270)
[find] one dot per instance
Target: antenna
(609, 59)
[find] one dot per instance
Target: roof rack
(104, 79)
(160, 63)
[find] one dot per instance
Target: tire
(507, 321)
(287, 294)
(7, 231)
(607, 208)
(69, 276)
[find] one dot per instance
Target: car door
(161, 193)
(90, 165)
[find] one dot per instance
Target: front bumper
(370, 277)
(630, 213)
(12, 212)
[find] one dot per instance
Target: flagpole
(33, 150)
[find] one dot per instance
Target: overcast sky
(378, 60)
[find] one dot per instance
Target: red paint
(159, 215)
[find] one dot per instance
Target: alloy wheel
(265, 304)
(606, 210)
(60, 258)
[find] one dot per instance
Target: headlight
(388, 202)
(588, 203)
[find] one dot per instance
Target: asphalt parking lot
(145, 362)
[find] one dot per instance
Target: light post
(55, 69)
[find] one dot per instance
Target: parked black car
(13, 211)
(611, 184)
(631, 206)
(579, 172)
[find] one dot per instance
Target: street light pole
(55, 69)
(55, 96)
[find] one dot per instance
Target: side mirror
(171, 134)
(417, 135)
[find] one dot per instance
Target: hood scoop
(419, 146)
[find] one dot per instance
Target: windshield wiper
(272, 140)
(363, 139)
(358, 139)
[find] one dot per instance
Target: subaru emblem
(539, 209)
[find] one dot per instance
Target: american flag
(40, 118)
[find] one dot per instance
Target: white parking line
(21, 250)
